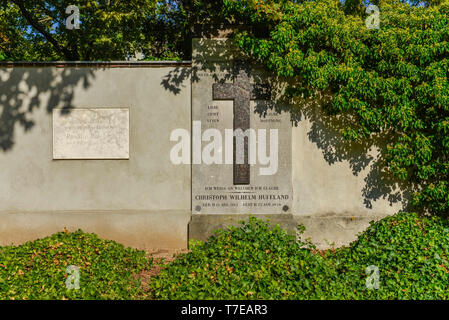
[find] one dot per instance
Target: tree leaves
(391, 80)
(254, 261)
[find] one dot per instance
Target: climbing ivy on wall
(390, 81)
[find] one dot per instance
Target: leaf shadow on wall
(23, 90)
(364, 158)
(204, 61)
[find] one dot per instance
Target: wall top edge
(98, 64)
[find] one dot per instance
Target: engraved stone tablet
(226, 94)
(96, 133)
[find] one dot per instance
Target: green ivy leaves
(37, 270)
(255, 262)
(391, 81)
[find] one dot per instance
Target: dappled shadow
(25, 89)
(325, 132)
(204, 58)
(364, 157)
(174, 80)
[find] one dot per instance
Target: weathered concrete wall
(143, 201)
(337, 186)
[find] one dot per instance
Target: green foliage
(256, 262)
(37, 269)
(109, 30)
(385, 84)
(411, 252)
(13, 46)
(252, 261)
(175, 22)
(389, 82)
(247, 262)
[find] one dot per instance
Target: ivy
(389, 82)
(38, 269)
(253, 261)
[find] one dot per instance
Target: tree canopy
(108, 29)
(387, 82)
(112, 29)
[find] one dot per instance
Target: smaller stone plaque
(96, 133)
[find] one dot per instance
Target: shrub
(411, 253)
(37, 269)
(254, 262)
(251, 261)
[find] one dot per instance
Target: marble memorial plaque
(227, 91)
(94, 133)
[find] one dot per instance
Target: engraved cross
(241, 92)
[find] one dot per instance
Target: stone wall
(145, 201)
(338, 188)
